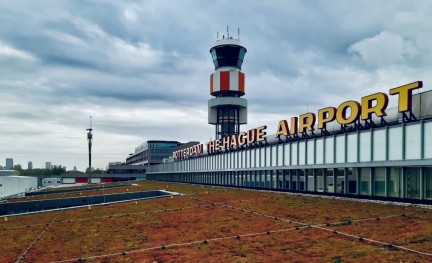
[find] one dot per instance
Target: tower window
(228, 56)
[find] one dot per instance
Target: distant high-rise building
(74, 168)
(48, 165)
(30, 166)
(17, 167)
(9, 163)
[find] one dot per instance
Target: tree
(58, 170)
(93, 171)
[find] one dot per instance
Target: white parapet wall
(11, 185)
(95, 180)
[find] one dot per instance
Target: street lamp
(90, 139)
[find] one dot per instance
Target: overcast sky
(141, 68)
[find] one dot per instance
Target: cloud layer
(141, 68)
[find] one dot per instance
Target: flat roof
(222, 225)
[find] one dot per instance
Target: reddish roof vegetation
(212, 224)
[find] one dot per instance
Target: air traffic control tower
(227, 111)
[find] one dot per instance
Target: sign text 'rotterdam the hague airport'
(347, 113)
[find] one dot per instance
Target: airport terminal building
(359, 149)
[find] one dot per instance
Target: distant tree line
(55, 171)
(93, 171)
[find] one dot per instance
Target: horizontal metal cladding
(227, 81)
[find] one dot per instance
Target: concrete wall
(51, 181)
(10, 185)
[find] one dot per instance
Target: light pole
(90, 139)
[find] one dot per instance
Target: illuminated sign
(347, 113)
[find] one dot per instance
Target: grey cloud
(140, 66)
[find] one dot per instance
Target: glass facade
(162, 144)
(227, 123)
(394, 184)
(379, 176)
(301, 180)
(393, 162)
(412, 183)
(340, 180)
(379, 146)
(352, 154)
(152, 152)
(352, 176)
(310, 180)
(428, 183)
(330, 187)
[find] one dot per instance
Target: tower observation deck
(227, 111)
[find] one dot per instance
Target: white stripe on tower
(234, 81)
(216, 81)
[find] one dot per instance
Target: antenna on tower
(238, 33)
(228, 32)
(217, 36)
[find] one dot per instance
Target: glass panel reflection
(310, 182)
(412, 182)
(428, 183)
(379, 181)
(365, 181)
(395, 147)
(412, 141)
(340, 181)
(352, 181)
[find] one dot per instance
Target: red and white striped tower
(227, 84)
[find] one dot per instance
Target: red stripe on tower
(241, 83)
(224, 81)
(211, 83)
